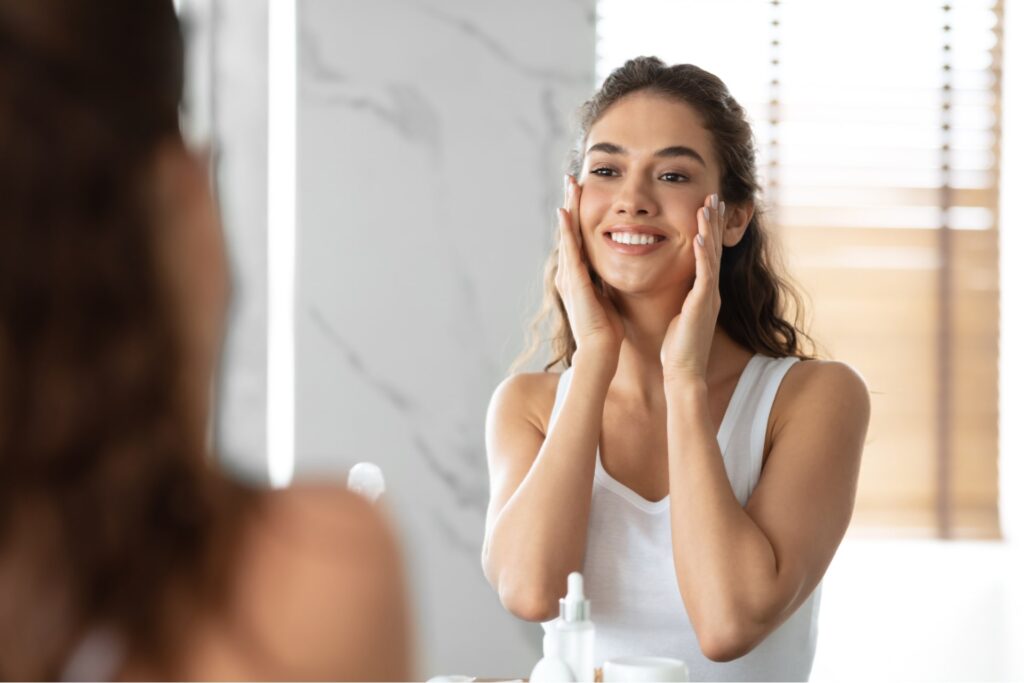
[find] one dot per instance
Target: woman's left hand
(687, 344)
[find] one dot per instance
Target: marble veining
(397, 398)
(315, 68)
(432, 140)
(465, 490)
(496, 49)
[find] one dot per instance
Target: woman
(123, 553)
(691, 461)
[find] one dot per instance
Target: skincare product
(551, 668)
(366, 479)
(636, 669)
(575, 631)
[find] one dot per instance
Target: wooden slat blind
(882, 120)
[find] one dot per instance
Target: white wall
(897, 610)
(431, 142)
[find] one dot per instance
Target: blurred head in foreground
(116, 535)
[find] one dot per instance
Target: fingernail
(565, 182)
(700, 239)
(714, 201)
(721, 209)
(707, 214)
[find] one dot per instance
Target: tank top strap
(560, 392)
(774, 372)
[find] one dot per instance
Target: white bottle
(552, 668)
(575, 631)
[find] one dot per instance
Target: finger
(701, 249)
(566, 240)
(575, 192)
(562, 261)
(705, 216)
(569, 242)
(576, 268)
(711, 239)
(713, 231)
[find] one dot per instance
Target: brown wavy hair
(110, 517)
(761, 308)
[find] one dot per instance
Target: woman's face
(648, 165)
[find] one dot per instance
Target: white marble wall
(432, 136)
(226, 109)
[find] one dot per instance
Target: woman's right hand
(595, 323)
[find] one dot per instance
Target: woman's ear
(737, 218)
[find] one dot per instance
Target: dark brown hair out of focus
(111, 518)
(760, 309)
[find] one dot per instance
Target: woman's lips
(634, 240)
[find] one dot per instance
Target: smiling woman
(692, 460)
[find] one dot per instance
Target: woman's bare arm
(542, 478)
(541, 486)
(743, 571)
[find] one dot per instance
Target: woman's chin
(643, 284)
(638, 286)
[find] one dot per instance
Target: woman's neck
(645, 320)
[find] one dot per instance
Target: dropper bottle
(576, 631)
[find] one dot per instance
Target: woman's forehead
(643, 123)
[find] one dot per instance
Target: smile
(634, 240)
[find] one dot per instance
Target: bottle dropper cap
(366, 479)
(574, 606)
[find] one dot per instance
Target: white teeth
(633, 238)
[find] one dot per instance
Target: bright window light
(281, 228)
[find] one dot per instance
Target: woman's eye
(674, 177)
(603, 171)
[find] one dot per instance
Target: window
(878, 128)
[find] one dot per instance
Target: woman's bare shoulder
(327, 509)
(811, 382)
(322, 581)
(817, 376)
(526, 395)
(819, 395)
(326, 530)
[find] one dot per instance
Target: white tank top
(628, 570)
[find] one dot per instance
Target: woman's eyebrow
(680, 151)
(673, 151)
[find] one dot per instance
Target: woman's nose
(635, 199)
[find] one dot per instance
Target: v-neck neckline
(725, 430)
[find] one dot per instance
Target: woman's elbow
(727, 641)
(528, 605)
(518, 595)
